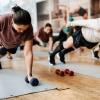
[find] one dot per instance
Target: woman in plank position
(86, 36)
(16, 28)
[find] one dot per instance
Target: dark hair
(48, 25)
(21, 16)
(82, 11)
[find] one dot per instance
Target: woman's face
(20, 28)
(47, 30)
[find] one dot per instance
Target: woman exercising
(86, 36)
(16, 28)
(44, 37)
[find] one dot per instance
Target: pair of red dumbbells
(64, 72)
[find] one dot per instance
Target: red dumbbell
(62, 73)
(59, 72)
(71, 73)
(67, 71)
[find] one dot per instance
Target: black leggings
(4, 51)
(61, 37)
(79, 40)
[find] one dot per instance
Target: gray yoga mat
(12, 84)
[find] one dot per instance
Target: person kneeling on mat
(86, 36)
(44, 37)
(15, 28)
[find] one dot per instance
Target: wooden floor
(79, 87)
